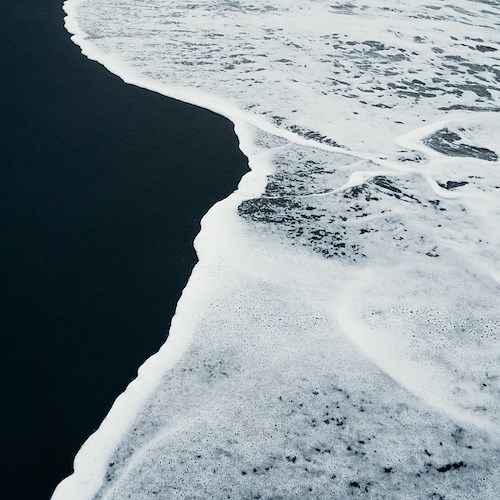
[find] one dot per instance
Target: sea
(339, 335)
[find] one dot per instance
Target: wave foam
(340, 331)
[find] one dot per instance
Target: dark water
(102, 189)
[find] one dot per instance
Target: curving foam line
(273, 235)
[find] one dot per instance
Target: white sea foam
(339, 335)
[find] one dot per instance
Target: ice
(339, 336)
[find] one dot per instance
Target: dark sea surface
(102, 189)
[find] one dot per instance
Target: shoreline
(129, 468)
(105, 191)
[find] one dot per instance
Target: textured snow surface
(340, 334)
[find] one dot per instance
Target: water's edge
(92, 458)
(91, 464)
